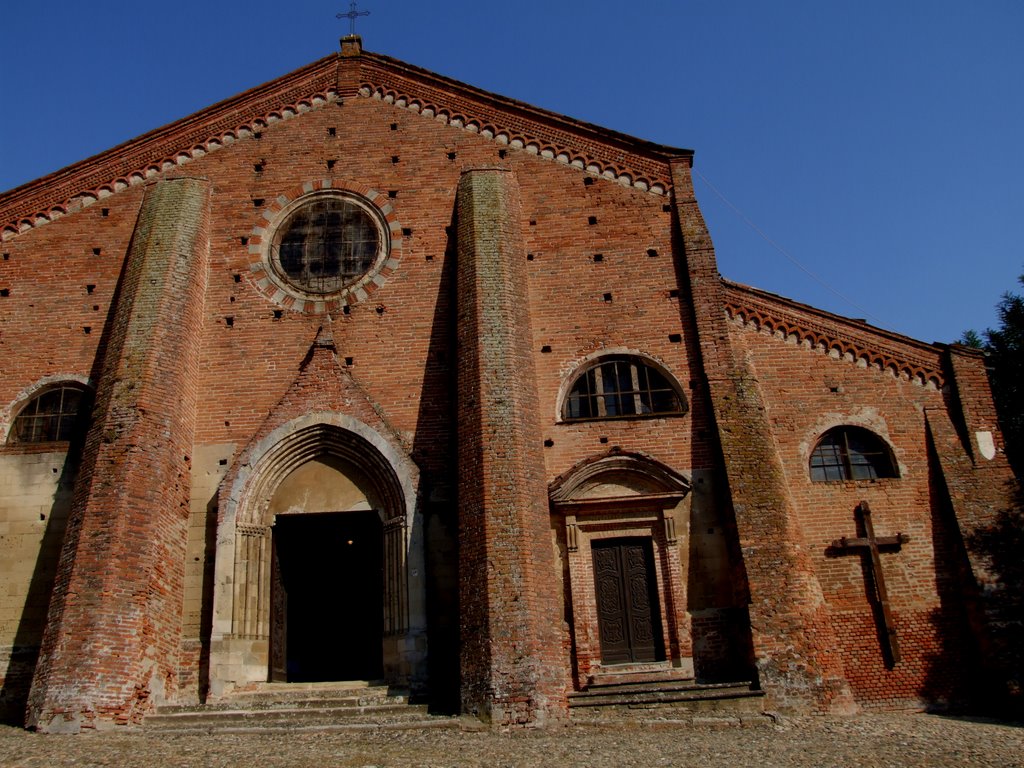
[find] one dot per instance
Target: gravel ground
(901, 739)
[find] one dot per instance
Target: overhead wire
(792, 259)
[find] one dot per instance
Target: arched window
(851, 453)
(54, 415)
(620, 387)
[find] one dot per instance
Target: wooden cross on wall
(868, 543)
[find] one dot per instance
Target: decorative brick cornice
(165, 149)
(594, 150)
(840, 338)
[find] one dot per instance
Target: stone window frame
(267, 279)
(635, 360)
(880, 460)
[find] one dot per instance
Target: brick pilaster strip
(794, 640)
(114, 627)
(514, 669)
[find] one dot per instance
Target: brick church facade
(369, 374)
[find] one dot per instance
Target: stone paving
(901, 739)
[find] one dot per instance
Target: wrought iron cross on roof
(352, 15)
(868, 543)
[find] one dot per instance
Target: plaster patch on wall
(986, 445)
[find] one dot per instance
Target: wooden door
(628, 613)
(278, 619)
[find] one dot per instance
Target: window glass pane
(612, 405)
(71, 400)
(861, 468)
(49, 402)
(623, 377)
(578, 407)
(24, 430)
(46, 428)
(827, 460)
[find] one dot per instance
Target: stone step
(232, 719)
(289, 691)
(604, 678)
(686, 696)
(687, 685)
(298, 697)
(291, 706)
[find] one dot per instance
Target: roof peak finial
(352, 15)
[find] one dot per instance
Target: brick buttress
(987, 506)
(109, 650)
(514, 669)
(794, 640)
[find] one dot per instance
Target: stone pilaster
(794, 640)
(114, 627)
(514, 669)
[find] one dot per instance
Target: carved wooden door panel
(278, 619)
(628, 616)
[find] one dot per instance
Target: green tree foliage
(1005, 347)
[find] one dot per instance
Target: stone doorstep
(432, 722)
(300, 702)
(690, 686)
(636, 673)
(307, 715)
(301, 705)
(266, 695)
(672, 720)
(690, 696)
(286, 690)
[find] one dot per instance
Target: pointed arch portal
(319, 560)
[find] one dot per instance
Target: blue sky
(878, 144)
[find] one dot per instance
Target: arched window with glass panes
(56, 414)
(851, 453)
(622, 386)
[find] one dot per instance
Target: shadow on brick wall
(977, 666)
(433, 450)
(1001, 544)
(28, 636)
(952, 667)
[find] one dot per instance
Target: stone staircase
(663, 694)
(356, 705)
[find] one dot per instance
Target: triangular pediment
(601, 153)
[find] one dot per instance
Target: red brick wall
(806, 392)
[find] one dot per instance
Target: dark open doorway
(327, 603)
